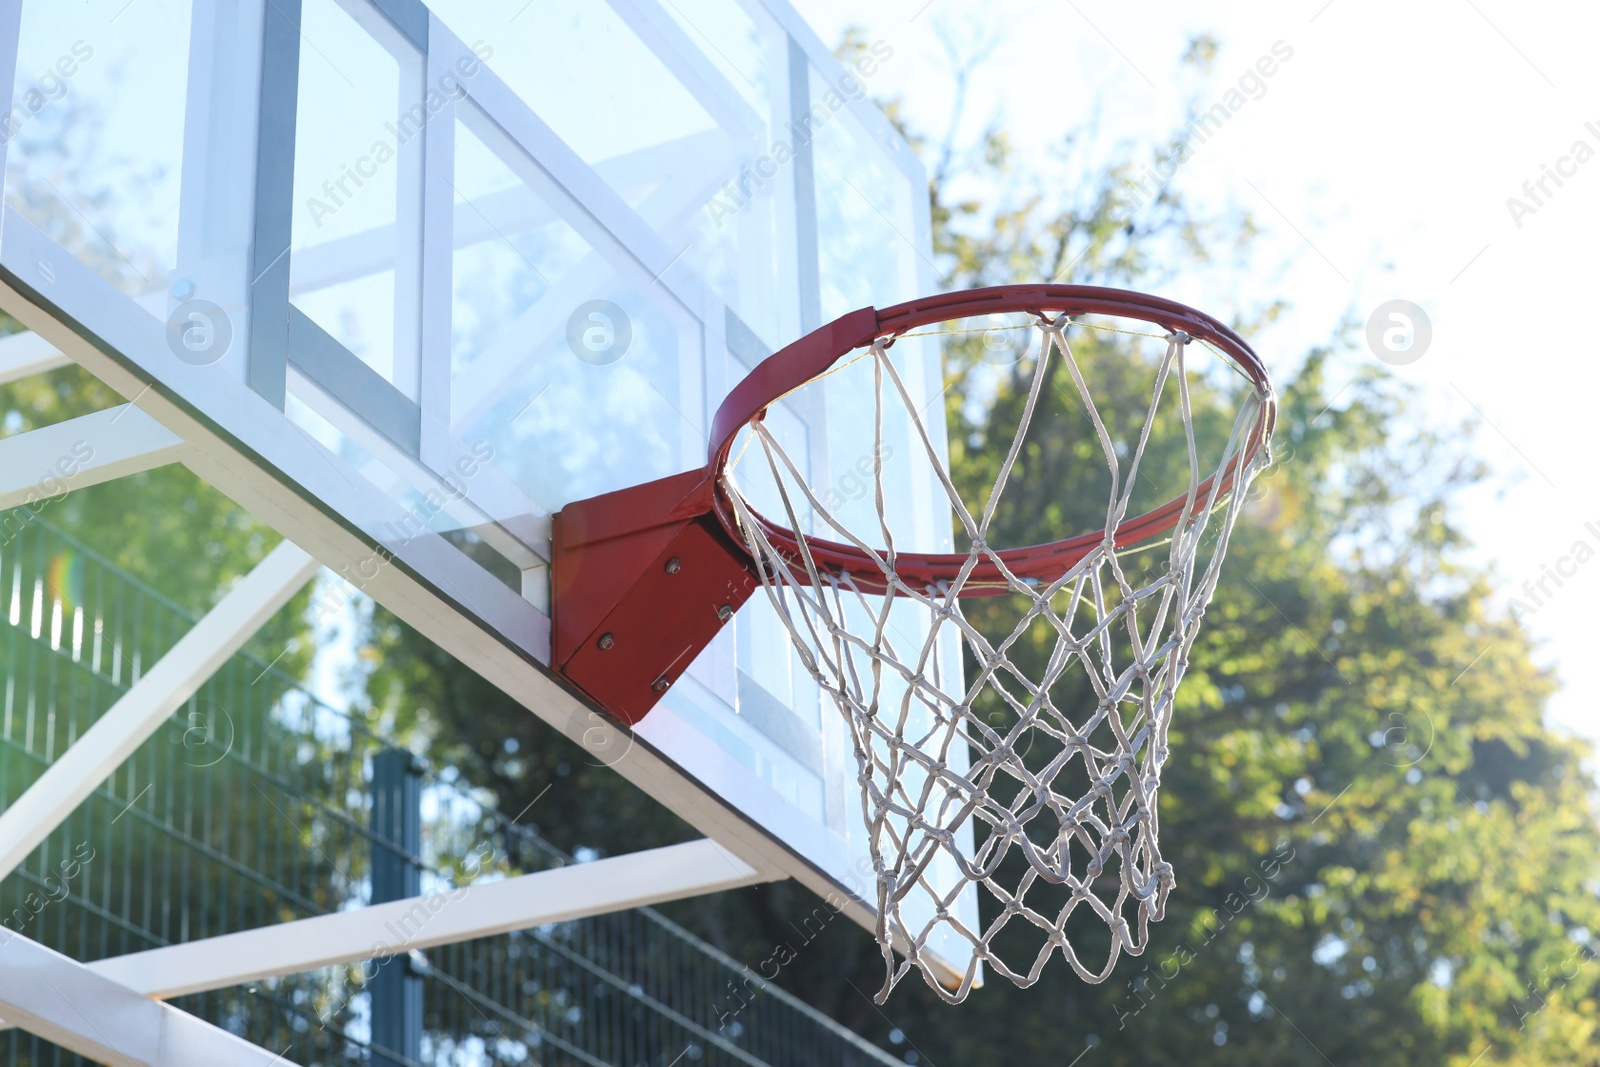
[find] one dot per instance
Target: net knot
(1180, 337)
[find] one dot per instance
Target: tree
(1384, 854)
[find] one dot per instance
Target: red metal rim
(812, 356)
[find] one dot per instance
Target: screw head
(660, 685)
(606, 642)
(674, 565)
(725, 613)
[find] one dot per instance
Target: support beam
(85, 451)
(22, 355)
(574, 892)
(145, 707)
(63, 1001)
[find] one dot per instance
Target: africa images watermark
(33, 904)
(1251, 85)
(1233, 905)
(53, 484)
(741, 994)
(46, 89)
(329, 600)
(1537, 192)
(738, 192)
(208, 736)
(450, 86)
(1541, 590)
(860, 885)
(857, 481)
(1399, 332)
(1548, 982)
(405, 928)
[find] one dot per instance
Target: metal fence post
(396, 986)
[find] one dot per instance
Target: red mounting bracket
(644, 578)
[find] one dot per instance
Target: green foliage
(1364, 715)
(1383, 853)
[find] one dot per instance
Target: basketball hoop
(1064, 840)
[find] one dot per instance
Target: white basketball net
(1070, 832)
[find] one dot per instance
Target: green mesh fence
(252, 807)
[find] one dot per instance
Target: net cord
(929, 764)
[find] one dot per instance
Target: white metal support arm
(579, 891)
(81, 452)
(25, 354)
(63, 1001)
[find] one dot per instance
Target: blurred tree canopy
(1383, 853)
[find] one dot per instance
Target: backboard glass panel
(413, 280)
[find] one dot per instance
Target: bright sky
(1379, 159)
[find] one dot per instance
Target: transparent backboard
(444, 269)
